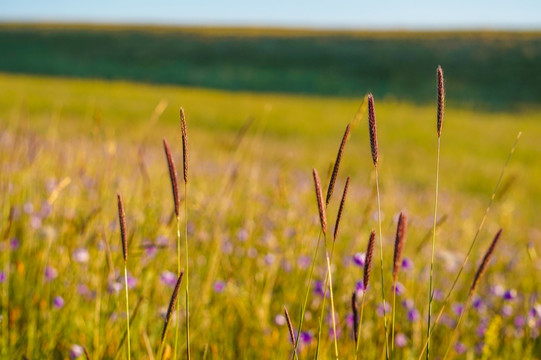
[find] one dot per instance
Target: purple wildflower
(359, 259)
(413, 314)
(76, 351)
(519, 322)
(408, 303)
(35, 222)
(168, 278)
(280, 320)
(400, 340)
(242, 234)
(58, 302)
(28, 208)
(359, 286)
(497, 290)
(399, 288)
(507, 310)
(14, 243)
(304, 261)
(45, 210)
(478, 304)
(338, 333)
(457, 309)
(510, 294)
(50, 273)
(379, 311)
(114, 287)
(132, 281)
(269, 259)
(2, 276)
(306, 337)
(460, 348)
(219, 286)
(81, 255)
(318, 288)
(407, 264)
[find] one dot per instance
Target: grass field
(67, 146)
(490, 70)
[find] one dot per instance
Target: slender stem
(178, 274)
(394, 315)
(323, 307)
(381, 267)
(360, 325)
(127, 309)
(303, 309)
(430, 295)
(186, 272)
(481, 224)
(332, 308)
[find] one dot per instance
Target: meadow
(67, 146)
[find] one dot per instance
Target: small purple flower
(306, 337)
(318, 288)
(35, 222)
(58, 302)
(132, 281)
(269, 259)
(457, 309)
(45, 210)
(359, 259)
(252, 253)
(338, 333)
(497, 290)
(460, 348)
(83, 290)
(114, 287)
(408, 303)
(14, 243)
(81, 255)
(510, 294)
(481, 329)
(219, 286)
(437, 295)
(507, 310)
(400, 340)
(227, 247)
(2, 276)
(399, 288)
(28, 208)
(478, 304)
(50, 273)
(168, 278)
(150, 251)
(161, 241)
(359, 286)
(242, 234)
(349, 319)
(280, 320)
(519, 322)
(379, 311)
(303, 262)
(413, 314)
(407, 264)
(76, 351)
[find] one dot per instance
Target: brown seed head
(368, 259)
(441, 99)
(173, 177)
(321, 207)
(122, 222)
(172, 305)
(184, 143)
(337, 166)
(372, 129)
(355, 315)
(340, 210)
(482, 268)
(399, 243)
(289, 326)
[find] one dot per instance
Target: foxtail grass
(323, 223)
(366, 281)
(439, 125)
(478, 275)
(170, 310)
(185, 168)
(176, 200)
(372, 129)
(289, 326)
(123, 237)
(400, 239)
(474, 241)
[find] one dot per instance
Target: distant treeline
(493, 70)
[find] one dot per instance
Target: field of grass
(494, 70)
(68, 146)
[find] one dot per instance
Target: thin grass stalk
(439, 125)
(335, 236)
(332, 309)
(366, 281)
(479, 228)
(123, 238)
(397, 259)
(185, 163)
(323, 223)
(480, 271)
(170, 310)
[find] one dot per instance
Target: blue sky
(496, 14)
